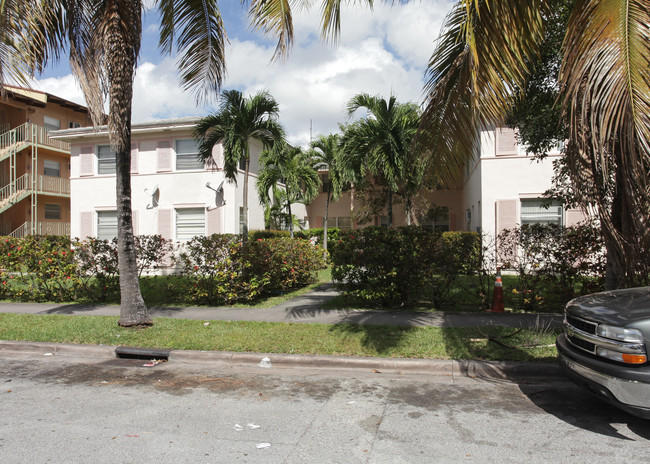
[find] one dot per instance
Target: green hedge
(215, 270)
(221, 270)
(397, 266)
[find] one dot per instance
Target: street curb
(59, 349)
(492, 370)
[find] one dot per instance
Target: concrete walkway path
(305, 309)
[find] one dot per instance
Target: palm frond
(19, 28)
(607, 103)
(479, 58)
(606, 77)
(331, 18)
(196, 29)
(273, 17)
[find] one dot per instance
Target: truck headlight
(621, 357)
(620, 334)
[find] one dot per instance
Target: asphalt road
(60, 410)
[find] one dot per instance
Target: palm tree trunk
(327, 209)
(244, 236)
(133, 310)
(390, 208)
(352, 206)
(407, 209)
(286, 186)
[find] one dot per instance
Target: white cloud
(380, 52)
(64, 87)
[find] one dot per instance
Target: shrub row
(214, 270)
(398, 266)
(395, 267)
(55, 268)
(553, 264)
(220, 270)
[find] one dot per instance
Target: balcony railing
(53, 228)
(30, 133)
(46, 184)
(49, 184)
(42, 228)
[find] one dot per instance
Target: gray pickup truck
(605, 345)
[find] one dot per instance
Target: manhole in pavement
(130, 362)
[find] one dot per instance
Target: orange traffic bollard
(497, 295)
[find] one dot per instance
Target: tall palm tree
(238, 120)
(292, 167)
(381, 141)
(484, 52)
(104, 39)
(326, 152)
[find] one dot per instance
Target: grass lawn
(267, 337)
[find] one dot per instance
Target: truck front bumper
(627, 388)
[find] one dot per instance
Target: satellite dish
(155, 196)
(218, 197)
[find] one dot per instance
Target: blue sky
(379, 52)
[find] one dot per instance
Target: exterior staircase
(14, 192)
(12, 142)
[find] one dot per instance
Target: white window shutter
(214, 221)
(164, 150)
(506, 212)
(217, 155)
(452, 221)
(574, 217)
(86, 224)
(165, 223)
(506, 142)
(86, 160)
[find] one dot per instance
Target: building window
(242, 220)
(106, 225)
(343, 222)
(325, 181)
(242, 164)
(437, 218)
(52, 211)
(74, 125)
(190, 222)
(441, 222)
(51, 123)
(105, 160)
(52, 168)
(187, 155)
(538, 211)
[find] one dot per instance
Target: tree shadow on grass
(380, 339)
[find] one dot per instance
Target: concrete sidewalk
(305, 309)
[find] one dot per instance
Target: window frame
(103, 161)
(185, 237)
(545, 216)
(184, 156)
(51, 124)
(58, 209)
(103, 227)
(51, 169)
